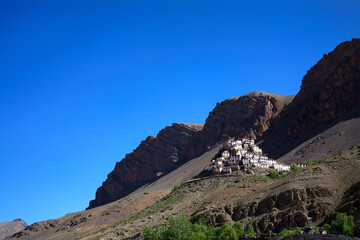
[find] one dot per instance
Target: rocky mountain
(152, 158)
(9, 228)
(329, 94)
(246, 116)
(321, 120)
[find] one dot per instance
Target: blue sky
(83, 82)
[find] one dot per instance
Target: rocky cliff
(329, 93)
(152, 158)
(246, 116)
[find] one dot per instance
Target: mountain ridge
(306, 124)
(279, 122)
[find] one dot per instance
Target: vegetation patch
(182, 229)
(286, 232)
(343, 224)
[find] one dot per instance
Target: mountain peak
(285, 99)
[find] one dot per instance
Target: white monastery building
(241, 154)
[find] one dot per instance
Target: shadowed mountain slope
(330, 93)
(154, 157)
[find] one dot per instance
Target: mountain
(321, 122)
(317, 191)
(152, 158)
(247, 116)
(329, 95)
(9, 228)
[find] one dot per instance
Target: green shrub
(285, 232)
(227, 233)
(239, 228)
(199, 231)
(273, 174)
(155, 233)
(294, 167)
(309, 163)
(175, 188)
(250, 232)
(181, 228)
(343, 224)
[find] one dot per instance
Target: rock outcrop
(247, 116)
(153, 157)
(329, 93)
(287, 209)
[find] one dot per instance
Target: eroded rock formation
(286, 209)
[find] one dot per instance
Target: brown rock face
(154, 156)
(330, 90)
(286, 209)
(246, 116)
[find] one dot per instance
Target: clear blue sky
(83, 82)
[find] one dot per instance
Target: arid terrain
(321, 123)
(270, 204)
(315, 191)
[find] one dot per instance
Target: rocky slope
(9, 228)
(152, 158)
(334, 139)
(317, 191)
(80, 224)
(329, 94)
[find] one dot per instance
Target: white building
(244, 153)
(225, 154)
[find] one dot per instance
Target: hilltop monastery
(241, 154)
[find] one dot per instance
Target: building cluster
(241, 154)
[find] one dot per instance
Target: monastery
(242, 154)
